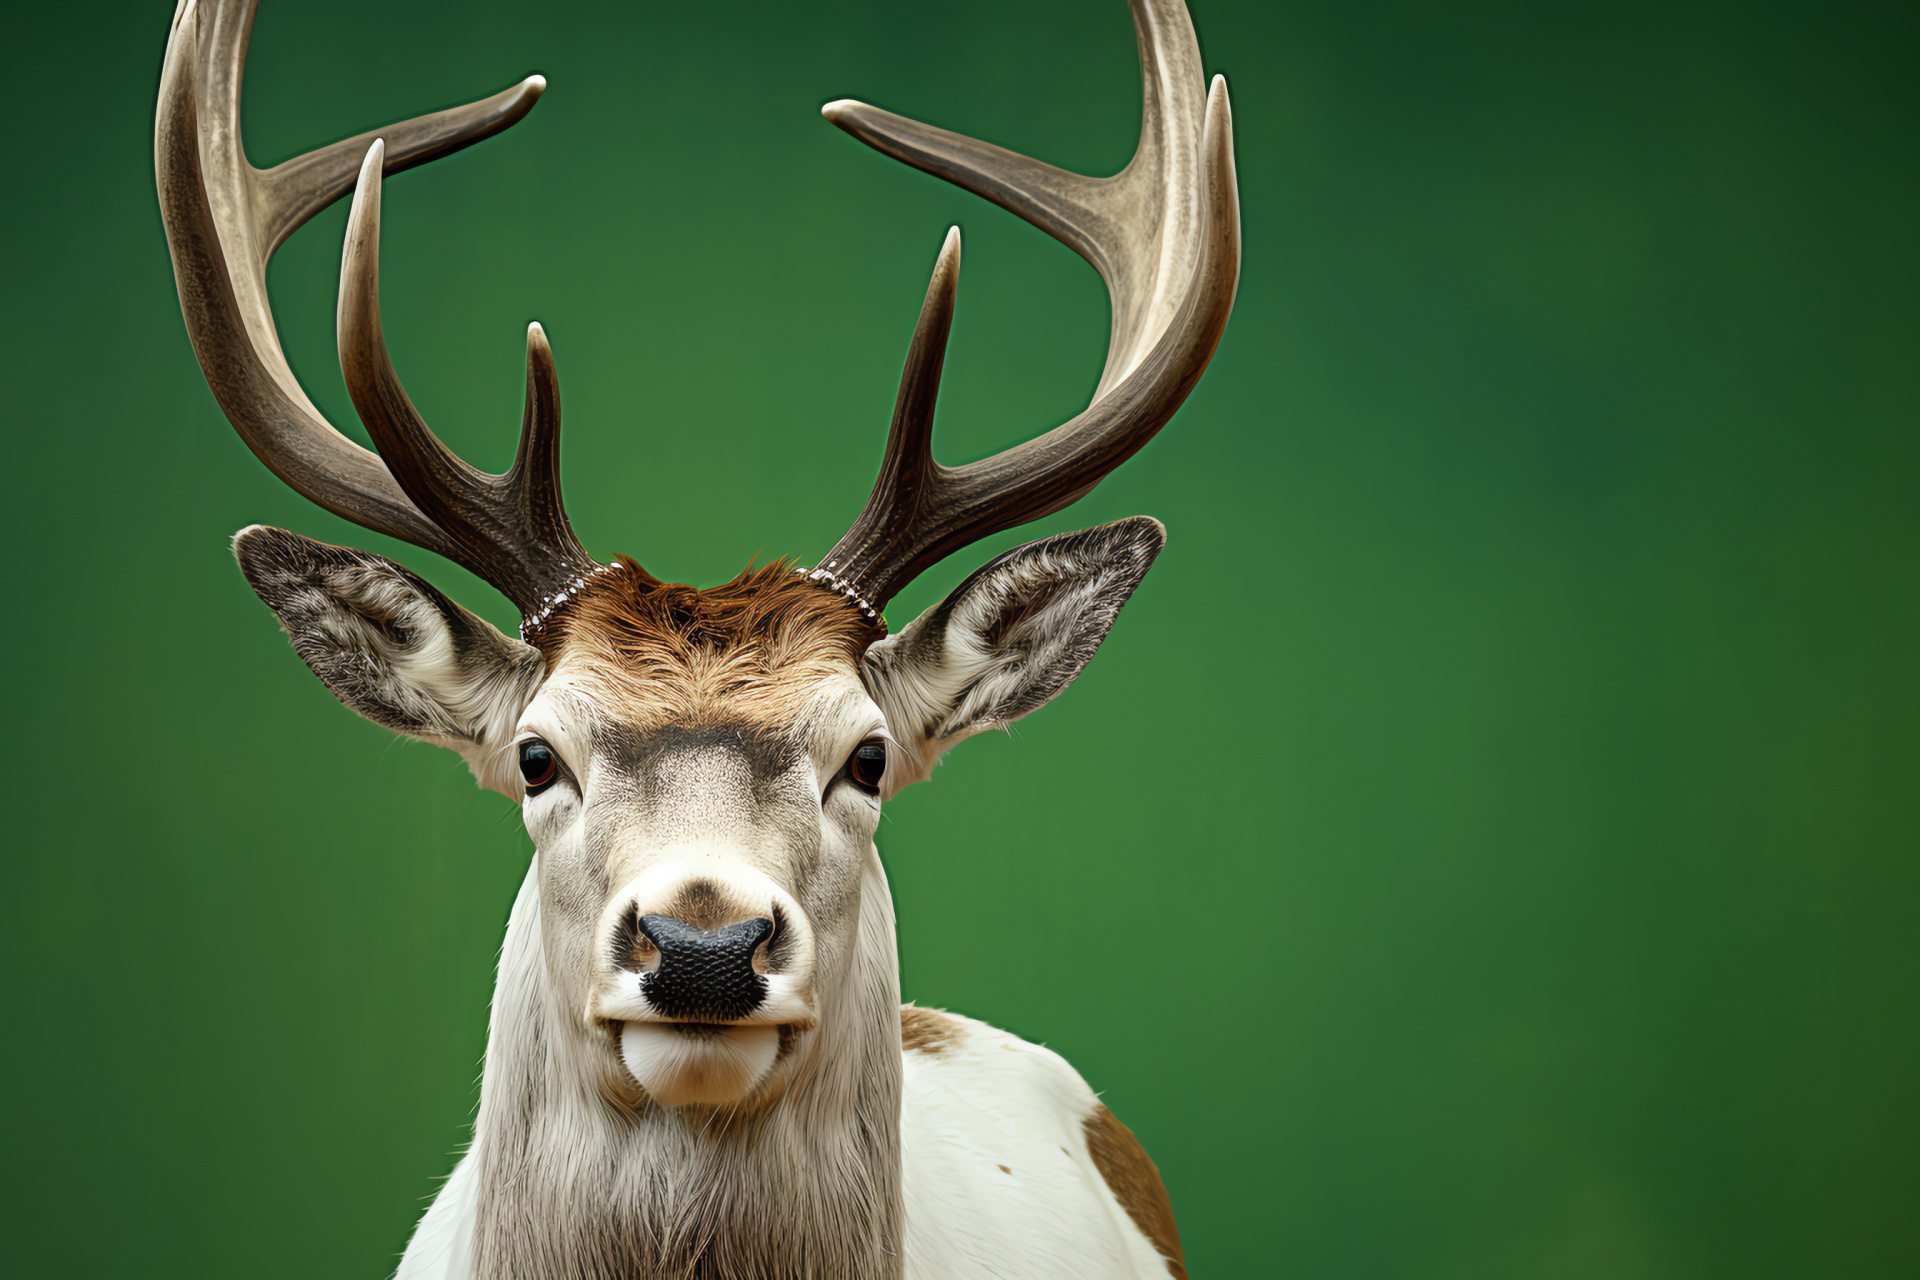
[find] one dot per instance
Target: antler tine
(295, 190)
(224, 218)
(511, 527)
(908, 473)
(1164, 234)
(534, 479)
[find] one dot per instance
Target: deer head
(701, 770)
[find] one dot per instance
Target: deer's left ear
(393, 648)
(1006, 642)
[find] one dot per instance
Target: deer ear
(1007, 641)
(396, 650)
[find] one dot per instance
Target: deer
(698, 1063)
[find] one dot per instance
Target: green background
(1485, 847)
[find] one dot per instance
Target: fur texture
(702, 739)
(393, 648)
(567, 1185)
(659, 653)
(1007, 641)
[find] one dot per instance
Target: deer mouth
(694, 1063)
(689, 1057)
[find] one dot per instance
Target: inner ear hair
(389, 644)
(1012, 636)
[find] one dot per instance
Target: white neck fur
(571, 1184)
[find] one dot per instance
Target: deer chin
(683, 1064)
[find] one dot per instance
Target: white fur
(997, 1176)
(799, 1139)
(441, 1248)
(679, 1067)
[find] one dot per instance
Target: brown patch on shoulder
(1135, 1183)
(927, 1031)
(660, 652)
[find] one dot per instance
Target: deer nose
(705, 975)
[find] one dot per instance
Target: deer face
(701, 774)
(699, 876)
(701, 771)
(689, 760)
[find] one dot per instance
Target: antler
(224, 219)
(1164, 234)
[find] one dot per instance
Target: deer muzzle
(705, 972)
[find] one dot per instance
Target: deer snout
(704, 975)
(692, 943)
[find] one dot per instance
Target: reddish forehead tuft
(666, 652)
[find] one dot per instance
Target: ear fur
(1007, 641)
(394, 649)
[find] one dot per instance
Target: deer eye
(867, 765)
(538, 766)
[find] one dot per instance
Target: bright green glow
(1485, 847)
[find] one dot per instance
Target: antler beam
(513, 526)
(224, 219)
(1164, 234)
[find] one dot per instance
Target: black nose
(705, 975)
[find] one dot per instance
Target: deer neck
(570, 1184)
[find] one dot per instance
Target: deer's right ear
(396, 650)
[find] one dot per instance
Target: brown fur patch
(927, 1031)
(1136, 1184)
(663, 652)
